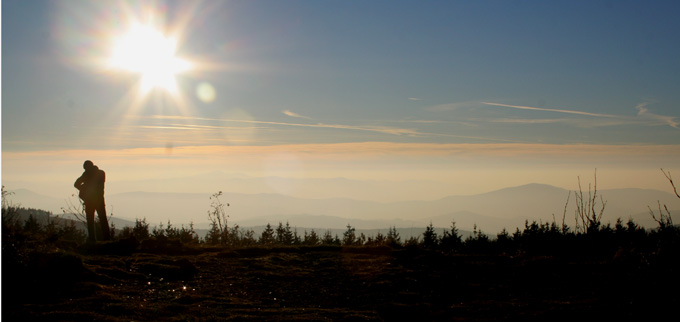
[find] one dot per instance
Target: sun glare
(147, 51)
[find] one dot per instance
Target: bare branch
(77, 210)
(564, 214)
(592, 201)
(587, 216)
(651, 212)
(604, 204)
(670, 219)
(668, 176)
(664, 220)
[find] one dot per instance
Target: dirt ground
(329, 284)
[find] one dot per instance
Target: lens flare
(206, 92)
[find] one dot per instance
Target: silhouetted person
(91, 186)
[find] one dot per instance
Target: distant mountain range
(491, 212)
(312, 188)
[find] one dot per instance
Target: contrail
(387, 130)
(552, 110)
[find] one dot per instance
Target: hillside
(329, 284)
(542, 272)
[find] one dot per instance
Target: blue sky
(540, 74)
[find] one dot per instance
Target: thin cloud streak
(428, 122)
(480, 138)
(293, 114)
(581, 123)
(194, 127)
(377, 129)
(643, 111)
(385, 130)
(453, 106)
(362, 149)
(170, 127)
(530, 121)
(552, 110)
(644, 117)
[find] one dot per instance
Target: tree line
(589, 234)
(534, 238)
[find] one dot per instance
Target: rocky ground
(117, 282)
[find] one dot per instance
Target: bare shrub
(9, 211)
(588, 218)
(219, 230)
(664, 219)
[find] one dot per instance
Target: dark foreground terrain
(110, 283)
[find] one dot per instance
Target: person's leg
(104, 221)
(89, 216)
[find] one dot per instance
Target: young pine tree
(451, 240)
(267, 237)
(393, 238)
(430, 239)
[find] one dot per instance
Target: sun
(148, 52)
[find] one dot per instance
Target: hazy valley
(360, 203)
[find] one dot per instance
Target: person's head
(88, 165)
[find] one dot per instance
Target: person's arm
(79, 182)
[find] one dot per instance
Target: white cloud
(643, 111)
(293, 114)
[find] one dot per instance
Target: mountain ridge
(491, 211)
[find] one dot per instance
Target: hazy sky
(482, 94)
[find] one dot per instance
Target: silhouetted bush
(330, 240)
(183, 234)
(393, 238)
(349, 237)
(140, 231)
(451, 239)
(311, 239)
(478, 242)
(285, 236)
(504, 243)
(412, 242)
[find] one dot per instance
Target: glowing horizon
(467, 168)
